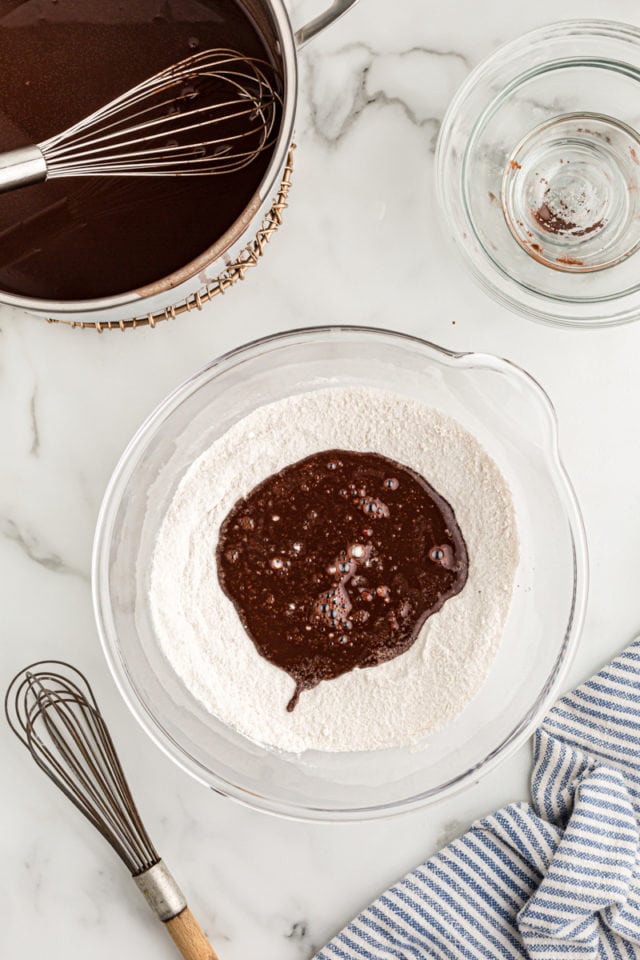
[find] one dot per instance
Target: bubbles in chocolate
(354, 597)
(442, 555)
(374, 507)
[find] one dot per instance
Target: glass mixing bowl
(538, 173)
(513, 419)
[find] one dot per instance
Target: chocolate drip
(337, 561)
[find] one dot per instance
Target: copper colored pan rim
(249, 257)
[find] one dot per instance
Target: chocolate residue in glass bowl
(89, 237)
(336, 562)
(560, 223)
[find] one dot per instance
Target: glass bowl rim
(152, 725)
(588, 27)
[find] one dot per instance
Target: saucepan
(228, 257)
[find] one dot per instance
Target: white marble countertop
(359, 245)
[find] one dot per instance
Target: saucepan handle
(324, 19)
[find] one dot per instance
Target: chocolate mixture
(562, 224)
(337, 561)
(91, 237)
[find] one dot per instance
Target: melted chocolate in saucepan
(337, 561)
(91, 237)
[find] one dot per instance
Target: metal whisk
(212, 113)
(52, 710)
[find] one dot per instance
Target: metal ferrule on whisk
(161, 891)
(21, 167)
(52, 710)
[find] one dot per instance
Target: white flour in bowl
(395, 703)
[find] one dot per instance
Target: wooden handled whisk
(52, 710)
(212, 113)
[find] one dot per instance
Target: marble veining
(360, 243)
(299, 935)
(35, 443)
(362, 77)
(30, 546)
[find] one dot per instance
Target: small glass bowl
(513, 419)
(538, 173)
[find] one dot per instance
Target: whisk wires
(51, 708)
(213, 112)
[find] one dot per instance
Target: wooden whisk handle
(187, 934)
(167, 901)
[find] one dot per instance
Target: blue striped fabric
(559, 877)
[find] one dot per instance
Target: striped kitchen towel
(556, 878)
